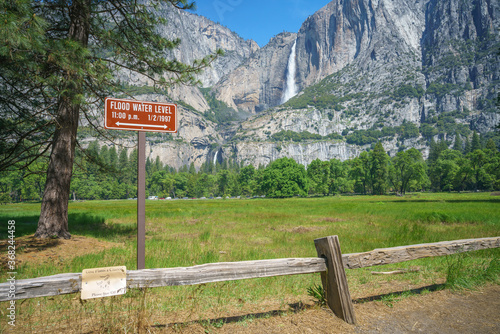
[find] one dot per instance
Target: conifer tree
(60, 59)
(476, 142)
(490, 145)
(467, 147)
(457, 146)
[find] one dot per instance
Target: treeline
(105, 173)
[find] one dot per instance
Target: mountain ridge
(367, 70)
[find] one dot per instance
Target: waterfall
(215, 157)
(290, 85)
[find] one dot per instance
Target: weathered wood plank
(334, 279)
(217, 272)
(43, 286)
(382, 256)
(206, 273)
(225, 271)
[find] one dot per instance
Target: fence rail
(328, 248)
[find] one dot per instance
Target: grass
(186, 233)
(318, 293)
(465, 272)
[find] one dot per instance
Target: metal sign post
(140, 116)
(141, 200)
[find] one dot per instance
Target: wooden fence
(330, 263)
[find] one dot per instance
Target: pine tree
(123, 160)
(457, 146)
(490, 145)
(435, 150)
(476, 142)
(113, 158)
(192, 169)
(59, 59)
(467, 147)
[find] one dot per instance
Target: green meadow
(189, 232)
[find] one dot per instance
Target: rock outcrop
(200, 37)
(258, 83)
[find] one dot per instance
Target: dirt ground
(54, 251)
(437, 311)
(442, 311)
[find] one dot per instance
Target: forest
(107, 173)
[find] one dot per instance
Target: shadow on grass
(294, 308)
(78, 223)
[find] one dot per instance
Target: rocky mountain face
(460, 48)
(258, 83)
(398, 71)
(199, 37)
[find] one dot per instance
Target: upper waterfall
(290, 85)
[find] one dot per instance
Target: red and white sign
(120, 114)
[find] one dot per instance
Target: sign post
(141, 200)
(140, 116)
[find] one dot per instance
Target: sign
(133, 115)
(104, 282)
(140, 116)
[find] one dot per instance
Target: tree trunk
(54, 213)
(53, 220)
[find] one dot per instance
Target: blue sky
(259, 20)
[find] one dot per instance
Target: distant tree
(435, 150)
(192, 169)
(246, 179)
(428, 131)
(284, 178)
(58, 59)
(156, 185)
(407, 167)
(379, 169)
(443, 171)
(318, 173)
(104, 155)
(467, 147)
(408, 130)
(191, 185)
(180, 183)
(464, 176)
(478, 159)
(339, 177)
(458, 145)
(205, 184)
(492, 168)
(490, 145)
(476, 142)
(113, 158)
(224, 182)
(359, 172)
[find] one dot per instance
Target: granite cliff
(399, 71)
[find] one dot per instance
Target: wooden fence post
(334, 279)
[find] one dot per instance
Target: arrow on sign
(164, 126)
